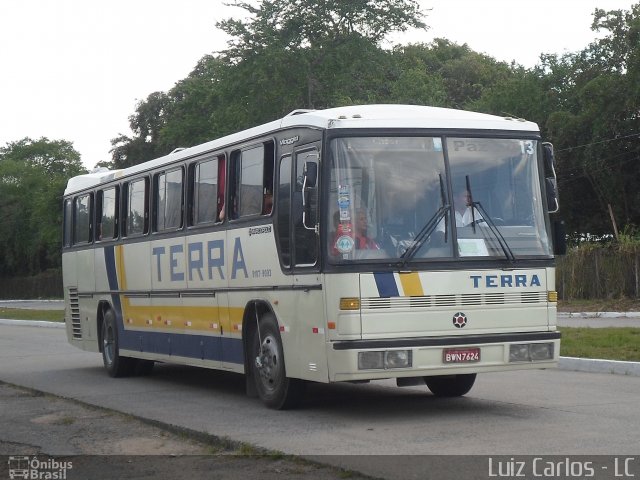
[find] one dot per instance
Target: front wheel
(267, 363)
(450, 385)
(114, 363)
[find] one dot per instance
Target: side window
(68, 215)
(136, 212)
(107, 214)
(252, 183)
(207, 197)
(168, 200)
(284, 210)
(82, 219)
(305, 241)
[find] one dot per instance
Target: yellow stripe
(411, 284)
(227, 319)
(150, 316)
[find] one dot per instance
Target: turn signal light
(349, 303)
(552, 297)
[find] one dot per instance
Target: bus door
(308, 300)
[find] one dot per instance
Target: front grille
(74, 306)
(458, 300)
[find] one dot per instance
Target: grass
(603, 343)
(28, 314)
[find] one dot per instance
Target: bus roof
(353, 117)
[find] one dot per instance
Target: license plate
(461, 355)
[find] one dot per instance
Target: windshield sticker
(472, 247)
(345, 244)
(437, 144)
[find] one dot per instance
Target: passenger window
(107, 214)
(137, 213)
(207, 199)
(168, 202)
(252, 184)
(82, 219)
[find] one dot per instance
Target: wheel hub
(268, 363)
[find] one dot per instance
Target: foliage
(291, 54)
(33, 175)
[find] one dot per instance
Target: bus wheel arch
(265, 365)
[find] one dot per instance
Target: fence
(44, 285)
(599, 272)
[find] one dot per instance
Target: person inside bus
(464, 216)
(267, 203)
(362, 238)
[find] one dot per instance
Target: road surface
(369, 428)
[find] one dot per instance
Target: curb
(591, 365)
(32, 323)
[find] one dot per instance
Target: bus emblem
(459, 320)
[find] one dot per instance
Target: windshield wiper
(506, 249)
(423, 234)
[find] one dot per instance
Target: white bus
(349, 244)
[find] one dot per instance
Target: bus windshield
(429, 198)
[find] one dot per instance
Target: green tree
(595, 124)
(33, 175)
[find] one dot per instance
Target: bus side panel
(133, 268)
(70, 284)
(86, 285)
(308, 343)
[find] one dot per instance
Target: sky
(75, 69)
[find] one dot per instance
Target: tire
(116, 365)
(274, 388)
(450, 385)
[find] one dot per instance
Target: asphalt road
(369, 428)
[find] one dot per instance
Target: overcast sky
(75, 69)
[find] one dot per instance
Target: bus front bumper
(426, 356)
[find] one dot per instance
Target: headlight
(370, 360)
(397, 359)
(541, 351)
(530, 352)
(384, 360)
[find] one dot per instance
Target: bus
(342, 245)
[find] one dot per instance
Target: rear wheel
(267, 363)
(450, 385)
(116, 365)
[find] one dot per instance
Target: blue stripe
(386, 284)
(220, 349)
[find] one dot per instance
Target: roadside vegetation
(602, 343)
(27, 314)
